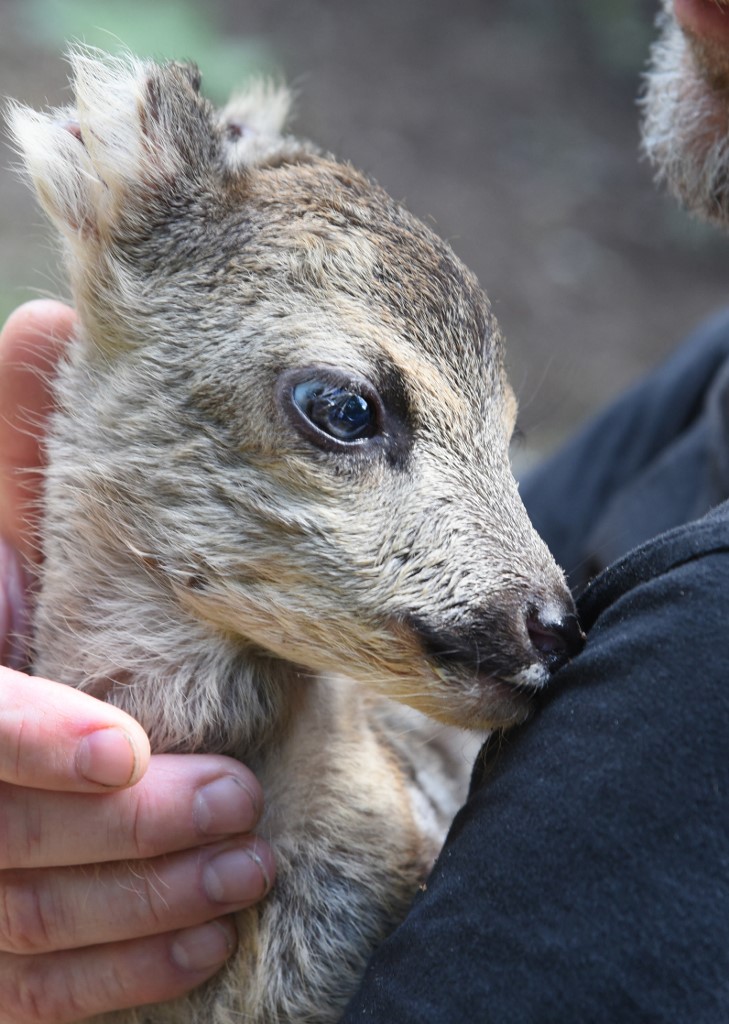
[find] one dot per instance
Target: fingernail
(208, 945)
(106, 757)
(224, 806)
(236, 876)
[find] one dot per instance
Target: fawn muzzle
(521, 646)
(555, 640)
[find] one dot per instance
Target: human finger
(31, 344)
(70, 986)
(14, 617)
(55, 737)
(183, 801)
(62, 908)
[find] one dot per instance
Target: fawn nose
(556, 639)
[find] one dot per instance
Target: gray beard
(686, 121)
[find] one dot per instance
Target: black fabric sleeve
(587, 878)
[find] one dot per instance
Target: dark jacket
(587, 878)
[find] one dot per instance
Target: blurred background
(510, 125)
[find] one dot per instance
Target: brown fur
(239, 583)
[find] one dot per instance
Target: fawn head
(291, 397)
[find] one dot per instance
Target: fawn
(280, 521)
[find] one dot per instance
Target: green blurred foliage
(173, 29)
(620, 32)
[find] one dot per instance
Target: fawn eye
(333, 409)
(341, 412)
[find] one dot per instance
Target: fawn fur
(230, 575)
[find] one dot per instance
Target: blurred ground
(510, 124)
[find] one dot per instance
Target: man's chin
(686, 117)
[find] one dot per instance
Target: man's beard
(686, 120)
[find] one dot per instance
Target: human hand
(116, 868)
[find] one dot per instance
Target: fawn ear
(137, 133)
(252, 127)
(58, 165)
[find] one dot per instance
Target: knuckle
(33, 993)
(7, 833)
(141, 837)
(21, 827)
(140, 812)
(27, 918)
(116, 987)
